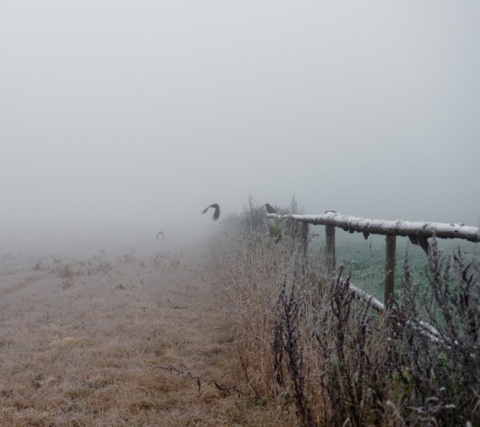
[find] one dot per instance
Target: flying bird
(270, 209)
(216, 214)
(163, 235)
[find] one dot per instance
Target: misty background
(140, 114)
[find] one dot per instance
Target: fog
(121, 114)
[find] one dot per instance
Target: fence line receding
(418, 233)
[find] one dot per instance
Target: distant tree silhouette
(216, 214)
(163, 235)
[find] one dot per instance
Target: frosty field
(112, 330)
(118, 328)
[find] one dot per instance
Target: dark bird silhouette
(270, 209)
(216, 214)
(163, 235)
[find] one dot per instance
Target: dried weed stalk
(309, 344)
(287, 340)
(443, 374)
(183, 372)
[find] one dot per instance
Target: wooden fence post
(305, 237)
(330, 247)
(390, 254)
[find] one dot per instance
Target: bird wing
(216, 215)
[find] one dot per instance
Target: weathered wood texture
(330, 247)
(390, 254)
(413, 229)
(305, 237)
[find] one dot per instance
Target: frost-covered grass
(116, 339)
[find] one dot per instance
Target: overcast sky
(144, 112)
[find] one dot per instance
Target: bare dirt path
(115, 340)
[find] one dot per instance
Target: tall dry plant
(443, 372)
(287, 341)
(309, 347)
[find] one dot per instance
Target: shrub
(442, 362)
(308, 346)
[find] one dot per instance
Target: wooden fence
(417, 232)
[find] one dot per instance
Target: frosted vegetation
(364, 259)
(309, 347)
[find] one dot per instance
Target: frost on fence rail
(412, 229)
(419, 325)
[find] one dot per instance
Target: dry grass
(256, 338)
(251, 273)
(119, 341)
(323, 358)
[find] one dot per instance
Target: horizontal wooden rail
(418, 233)
(419, 325)
(414, 229)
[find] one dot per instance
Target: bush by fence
(311, 348)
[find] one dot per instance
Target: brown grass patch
(118, 342)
